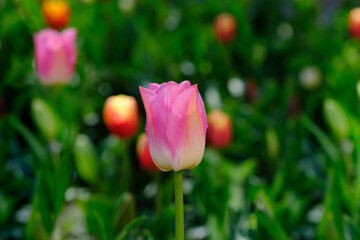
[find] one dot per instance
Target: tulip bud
(55, 55)
(143, 154)
(336, 118)
(175, 125)
(56, 13)
(44, 118)
(220, 129)
(225, 26)
(121, 115)
(354, 23)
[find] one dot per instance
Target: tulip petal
(44, 51)
(68, 38)
(185, 84)
(156, 118)
(202, 113)
(168, 92)
(185, 102)
(153, 86)
(61, 72)
(186, 130)
(191, 148)
(148, 98)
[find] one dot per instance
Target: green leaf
(44, 118)
(124, 210)
(336, 118)
(130, 226)
(329, 148)
(266, 217)
(30, 138)
(40, 222)
(272, 143)
(85, 157)
(351, 228)
(99, 210)
(331, 226)
(101, 225)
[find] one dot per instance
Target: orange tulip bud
(225, 26)
(143, 154)
(354, 23)
(56, 13)
(220, 129)
(121, 115)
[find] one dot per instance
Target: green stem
(179, 206)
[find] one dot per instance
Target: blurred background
(280, 82)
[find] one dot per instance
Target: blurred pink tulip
(175, 124)
(55, 55)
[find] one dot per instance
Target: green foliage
(85, 158)
(289, 80)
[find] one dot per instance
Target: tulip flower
(220, 129)
(56, 13)
(176, 127)
(121, 115)
(55, 55)
(225, 27)
(175, 124)
(143, 154)
(354, 23)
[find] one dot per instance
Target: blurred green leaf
(325, 142)
(272, 143)
(351, 228)
(30, 138)
(266, 217)
(44, 118)
(132, 225)
(6, 205)
(99, 210)
(331, 225)
(124, 211)
(85, 157)
(336, 118)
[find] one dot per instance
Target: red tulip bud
(121, 115)
(225, 26)
(220, 129)
(143, 154)
(354, 23)
(56, 13)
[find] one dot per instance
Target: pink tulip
(55, 55)
(175, 124)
